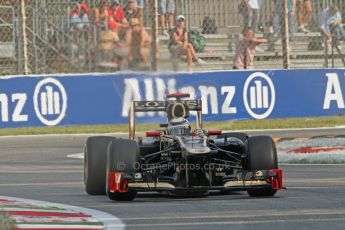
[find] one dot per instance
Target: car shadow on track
(158, 197)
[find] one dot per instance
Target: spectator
(245, 49)
(166, 11)
(305, 9)
(179, 44)
(74, 14)
(78, 16)
(330, 24)
(101, 16)
(131, 11)
(251, 13)
(140, 42)
(117, 14)
(79, 26)
(108, 42)
(139, 6)
(140, 11)
(83, 25)
(277, 24)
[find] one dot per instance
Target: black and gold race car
(179, 159)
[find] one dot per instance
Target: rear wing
(161, 106)
(164, 106)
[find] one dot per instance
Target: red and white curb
(32, 214)
(326, 149)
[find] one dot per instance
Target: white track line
(155, 226)
(42, 184)
(288, 164)
(310, 212)
(76, 156)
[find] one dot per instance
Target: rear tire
(261, 154)
(94, 164)
(122, 157)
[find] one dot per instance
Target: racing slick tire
(122, 157)
(95, 156)
(261, 154)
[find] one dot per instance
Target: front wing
(272, 178)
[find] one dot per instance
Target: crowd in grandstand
(122, 37)
(119, 31)
(329, 25)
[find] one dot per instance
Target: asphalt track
(37, 168)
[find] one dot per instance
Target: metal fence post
(285, 39)
(18, 40)
(155, 38)
(24, 37)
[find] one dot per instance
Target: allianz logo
(50, 101)
(258, 95)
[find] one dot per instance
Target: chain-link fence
(73, 36)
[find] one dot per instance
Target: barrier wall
(105, 99)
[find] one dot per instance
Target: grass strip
(307, 122)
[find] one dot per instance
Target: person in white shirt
(251, 13)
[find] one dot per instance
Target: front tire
(261, 154)
(122, 157)
(261, 192)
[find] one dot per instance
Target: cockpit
(179, 127)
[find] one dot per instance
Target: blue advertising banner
(105, 98)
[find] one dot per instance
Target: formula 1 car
(178, 159)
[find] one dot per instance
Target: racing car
(180, 158)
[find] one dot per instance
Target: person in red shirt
(117, 12)
(78, 17)
(77, 7)
(75, 10)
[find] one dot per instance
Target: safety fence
(226, 95)
(76, 36)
